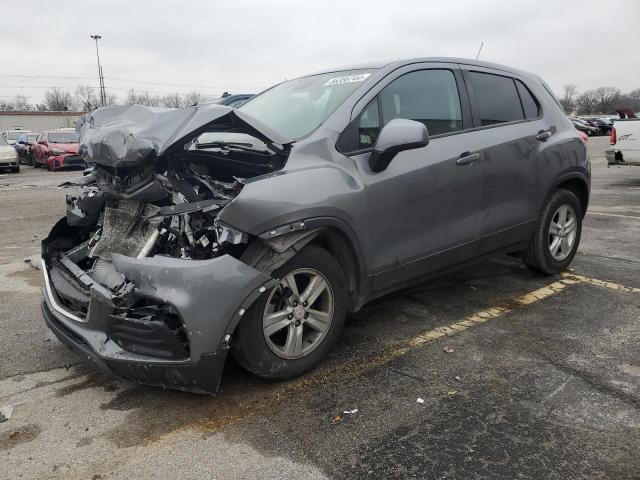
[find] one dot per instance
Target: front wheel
(290, 328)
(555, 241)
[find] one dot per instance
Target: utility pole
(103, 94)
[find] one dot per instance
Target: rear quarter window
(497, 97)
(530, 105)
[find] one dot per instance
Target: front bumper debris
(179, 338)
(69, 160)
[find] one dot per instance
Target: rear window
(63, 137)
(498, 100)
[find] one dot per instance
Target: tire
(16, 169)
(538, 255)
(258, 353)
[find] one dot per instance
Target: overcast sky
(242, 46)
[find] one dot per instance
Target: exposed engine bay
(147, 197)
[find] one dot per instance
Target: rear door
(423, 209)
(508, 121)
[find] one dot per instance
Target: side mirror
(397, 136)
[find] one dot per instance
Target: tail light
(613, 139)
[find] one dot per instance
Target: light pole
(103, 94)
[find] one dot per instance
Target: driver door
(423, 209)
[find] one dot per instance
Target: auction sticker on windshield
(347, 79)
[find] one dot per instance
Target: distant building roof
(34, 112)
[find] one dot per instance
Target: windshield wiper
(245, 146)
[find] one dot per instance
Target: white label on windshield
(347, 79)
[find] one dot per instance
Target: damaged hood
(124, 136)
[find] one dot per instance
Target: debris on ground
(31, 263)
(472, 287)
(420, 400)
(448, 350)
(457, 378)
(5, 413)
(336, 420)
(451, 393)
(350, 412)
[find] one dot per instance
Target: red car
(57, 149)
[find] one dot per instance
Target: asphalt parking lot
(521, 376)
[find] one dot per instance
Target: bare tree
(58, 100)
(586, 102)
(633, 98)
(110, 100)
(20, 103)
(86, 98)
(134, 98)
(172, 100)
(568, 98)
(606, 98)
(192, 98)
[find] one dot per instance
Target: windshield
(13, 135)
(32, 137)
(297, 107)
(63, 137)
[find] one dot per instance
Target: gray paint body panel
(424, 212)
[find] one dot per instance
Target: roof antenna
(479, 50)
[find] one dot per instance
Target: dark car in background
(583, 126)
(57, 150)
(23, 146)
(256, 230)
(603, 125)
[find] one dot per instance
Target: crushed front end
(140, 277)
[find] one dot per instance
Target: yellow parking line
(348, 369)
(601, 283)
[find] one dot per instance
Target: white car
(8, 156)
(12, 135)
(625, 142)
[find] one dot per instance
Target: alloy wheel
(298, 313)
(562, 232)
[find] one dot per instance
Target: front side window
(369, 125)
(498, 100)
(297, 107)
(426, 96)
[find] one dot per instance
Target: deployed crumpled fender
(209, 294)
(124, 136)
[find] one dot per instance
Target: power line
(127, 80)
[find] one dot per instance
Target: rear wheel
(557, 236)
(288, 330)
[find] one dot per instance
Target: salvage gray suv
(208, 230)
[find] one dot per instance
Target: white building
(37, 121)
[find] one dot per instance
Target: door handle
(543, 135)
(467, 158)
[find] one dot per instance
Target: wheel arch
(267, 253)
(575, 182)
